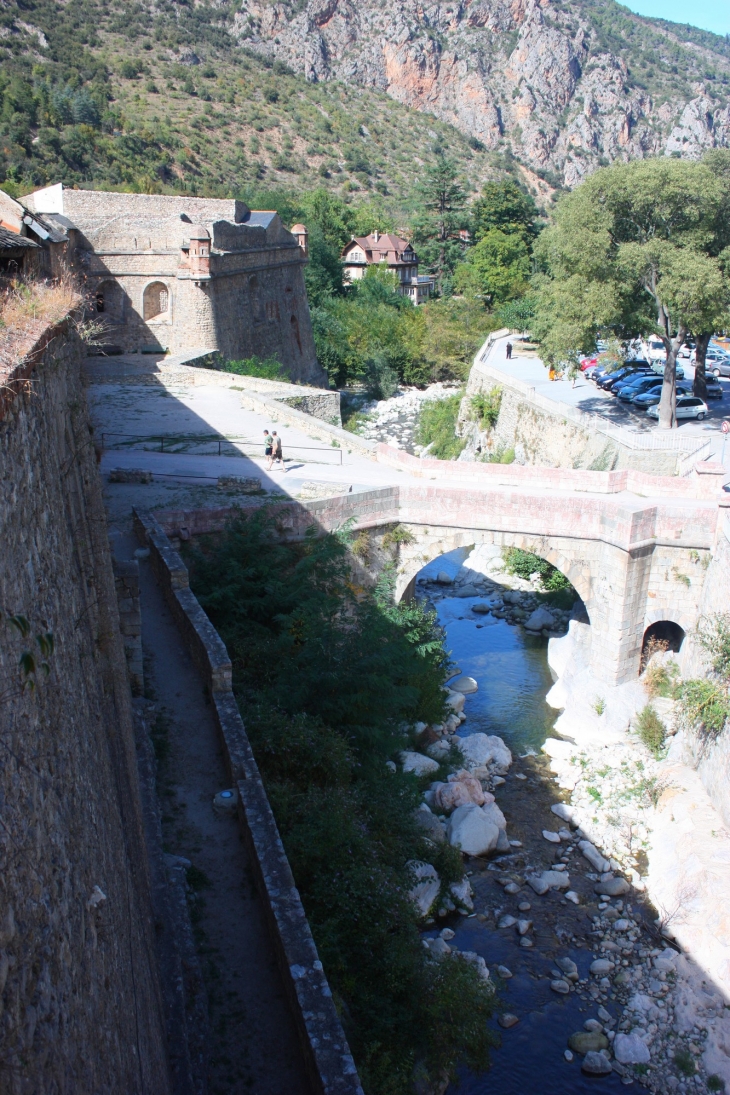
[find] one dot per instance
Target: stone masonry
(178, 273)
(80, 1005)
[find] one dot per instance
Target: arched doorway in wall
(484, 609)
(156, 301)
(109, 302)
(663, 635)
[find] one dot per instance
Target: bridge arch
(661, 635)
(428, 544)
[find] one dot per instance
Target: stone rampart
(81, 1008)
(330, 1065)
(547, 433)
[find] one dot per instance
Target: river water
(511, 669)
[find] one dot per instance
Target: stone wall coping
(531, 477)
(307, 423)
(623, 522)
(327, 1055)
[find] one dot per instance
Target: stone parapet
(330, 1065)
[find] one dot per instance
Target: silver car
(688, 406)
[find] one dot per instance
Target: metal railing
(165, 443)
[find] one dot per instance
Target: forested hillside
(131, 97)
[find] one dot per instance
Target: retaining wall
(80, 1004)
(330, 1065)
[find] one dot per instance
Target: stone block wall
(546, 438)
(80, 1006)
(126, 581)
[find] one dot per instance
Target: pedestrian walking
(509, 351)
(278, 453)
(268, 448)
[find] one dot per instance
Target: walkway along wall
(326, 1052)
(80, 1006)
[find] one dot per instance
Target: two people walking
(273, 450)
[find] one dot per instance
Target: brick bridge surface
(634, 560)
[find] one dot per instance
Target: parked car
(688, 406)
(687, 349)
(652, 397)
(655, 350)
(634, 369)
(718, 364)
(642, 384)
(658, 368)
(715, 389)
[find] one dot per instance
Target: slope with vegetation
(330, 678)
(160, 98)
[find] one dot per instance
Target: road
(587, 397)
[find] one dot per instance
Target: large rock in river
(482, 749)
(539, 619)
(416, 762)
(472, 831)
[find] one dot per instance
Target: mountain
(562, 85)
(162, 97)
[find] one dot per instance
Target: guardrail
(237, 443)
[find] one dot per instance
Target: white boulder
(462, 894)
(539, 619)
(427, 887)
(628, 1049)
(492, 811)
(416, 762)
(472, 831)
(463, 684)
(455, 701)
(593, 856)
(483, 749)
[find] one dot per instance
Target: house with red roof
(393, 252)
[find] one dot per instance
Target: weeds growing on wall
(524, 564)
(485, 407)
(329, 678)
(437, 427)
(704, 703)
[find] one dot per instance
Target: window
(156, 300)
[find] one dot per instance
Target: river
(511, 669)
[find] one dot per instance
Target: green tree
(443, 199)
(505, 206)
(633, 252)
(497, 268)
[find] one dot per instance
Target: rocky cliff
(565, 86)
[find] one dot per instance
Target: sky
(708, 14)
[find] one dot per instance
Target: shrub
(685, 1062)
(660, 680)
(651, 730)
(704, 704)
(524, 564)
(715, 1083)
(485, 406)
(329, 676)
(437, 427)
(713, 635)
(500, 455)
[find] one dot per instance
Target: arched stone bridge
(635, 556)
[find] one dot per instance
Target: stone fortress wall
(156, 285)
(80, 1005)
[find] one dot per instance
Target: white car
(688, 406)
(655, 350)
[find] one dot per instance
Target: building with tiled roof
(393, 252)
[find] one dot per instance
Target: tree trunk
(699, 387)
(668, 401)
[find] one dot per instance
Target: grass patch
(266, 368)
(704, 704)
(485, 407)
(500, 455)
(685, 1062)
(437, 427)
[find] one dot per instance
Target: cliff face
(567, 85)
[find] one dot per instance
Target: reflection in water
(509, 665)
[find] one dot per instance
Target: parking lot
(587, 397)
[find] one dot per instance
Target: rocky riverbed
(592, 983)
(394, 421)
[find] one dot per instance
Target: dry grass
(26, 310)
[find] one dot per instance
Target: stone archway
(661, 635)
(155, 301)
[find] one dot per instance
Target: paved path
(589, 398)
(252, 1040)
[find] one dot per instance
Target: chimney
(376, 235)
